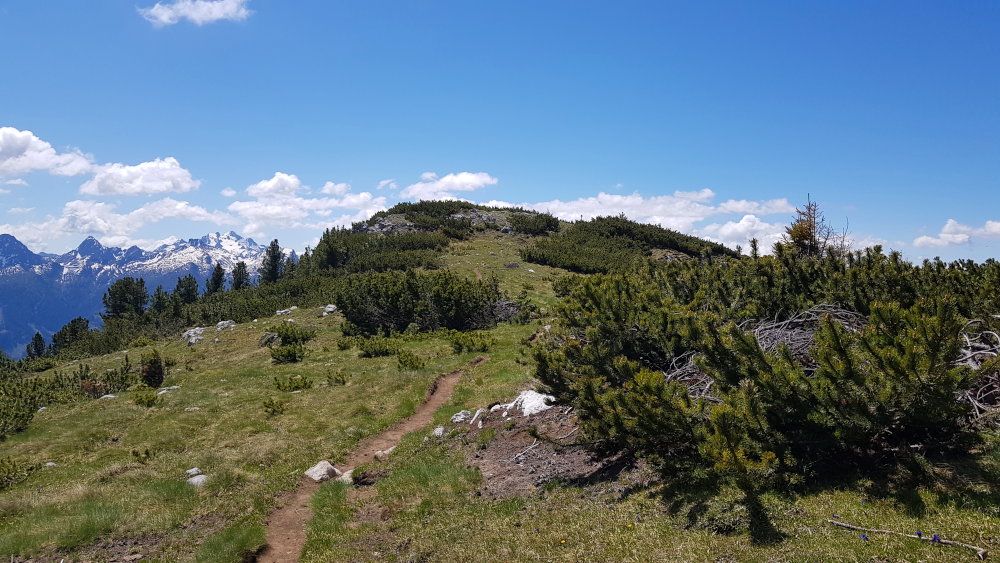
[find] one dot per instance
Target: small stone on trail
(322, 471)
(347, 477)
(461, 416)
(193, 471)
(382, 455)
(438, 432)
(197, 480)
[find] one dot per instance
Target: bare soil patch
(518, 454)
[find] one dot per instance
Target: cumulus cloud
(390, 183)
(198, 12)
(154, 177)
(431, 186)
(20, 210)
(279, 184)
(228, 192)
(954, 232)
(100, 219)
(283, 200)
(22, 152)
(335, 188)
(15, 182)
(733, 233)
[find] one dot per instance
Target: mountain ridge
(42, 292)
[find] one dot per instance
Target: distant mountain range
(42, 292)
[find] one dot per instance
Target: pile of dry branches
(981, 346)
(798, 331)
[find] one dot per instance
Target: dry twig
(980, 552)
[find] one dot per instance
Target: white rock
(287, 311)
(50, 464)
(461, 416)
(193, 471)
(255, 320)
(194, 340)
(530, 270)
(192, 332)
(108, 396)
(438, 432)
(474, 418)
(289, 320)
(528, 402)
(197, 480)
(382, 455)
(216, 340)
(223, 325)
(193, 409)
(322, 471)
(329, 309)
(162, 391)
(347, 477)
(43, 409)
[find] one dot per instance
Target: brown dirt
(286, 528)
(526, 452)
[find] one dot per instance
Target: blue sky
(134, 121)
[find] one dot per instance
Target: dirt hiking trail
(286, 527)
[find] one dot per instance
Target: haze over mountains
(42, 292)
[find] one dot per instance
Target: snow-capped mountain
(40, 292)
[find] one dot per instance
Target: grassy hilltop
(118, 490)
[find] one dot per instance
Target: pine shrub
(152, 371)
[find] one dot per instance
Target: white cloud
(15, 182)
(154, 177)
(22, 152)
(953, 232)
(701, 195)
(20, 210)
(80, 217)
(198, 12)
(390, 183)
(279, 184)
(432, 187)
(767, 207)
(334, 188)
(277, 201)
(228, 192)
(733, 233)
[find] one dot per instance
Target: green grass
(99, 489)
(435, 517)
